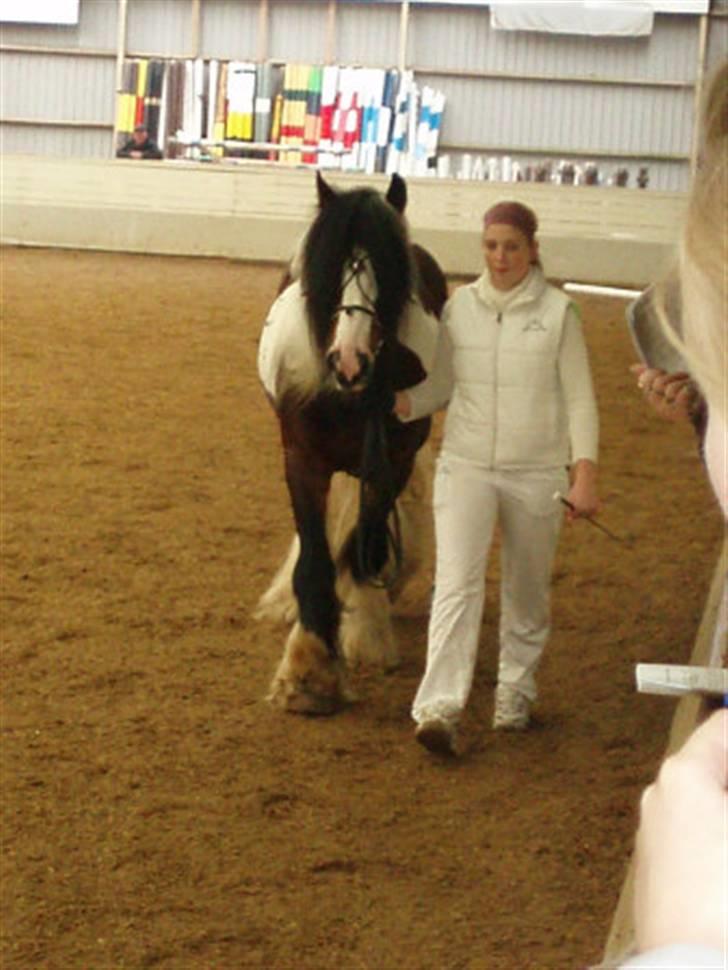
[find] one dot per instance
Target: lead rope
(375, 456)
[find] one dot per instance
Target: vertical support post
(263, 24)
(699, 84)
(330, 51)
(195, 30)
(121, 21)
(403, 29)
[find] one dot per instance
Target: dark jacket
(148, 149)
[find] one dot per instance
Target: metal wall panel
(229, 29)
(718, 41)
(57, 87)
(96, 29)
(159, 27)
(511, 114)
(297, 31)
(57, 142)
(463, 40)
(367, 35)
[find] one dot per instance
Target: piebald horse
(356, 319)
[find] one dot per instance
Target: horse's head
(356, 334)
(356, 278)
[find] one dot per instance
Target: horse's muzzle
(352, 372)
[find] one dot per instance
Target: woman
(512, 368)
(680, 891)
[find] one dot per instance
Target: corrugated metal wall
(297, 32)
(229, 29)
(718, 39)
(39, 87)
(369, 37)
(60, 104)
(530, 96)
(613, 124)
(159, 27)
(466, 41)
(96, 29)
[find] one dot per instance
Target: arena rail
(255, 211)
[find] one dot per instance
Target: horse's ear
(397, 193)
(325, 192)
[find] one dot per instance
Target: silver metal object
(676, 679)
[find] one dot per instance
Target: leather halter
(357, 265)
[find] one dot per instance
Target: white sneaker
(512, 709)
(438, 736)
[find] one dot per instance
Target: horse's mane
(359, 219)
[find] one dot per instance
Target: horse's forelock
(325, 252)
(384, 238)
(360, 219)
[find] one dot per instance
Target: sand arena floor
(156, 811)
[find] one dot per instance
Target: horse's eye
(349, 312)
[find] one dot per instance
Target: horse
(356, 319)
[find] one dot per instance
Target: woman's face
(508, 255)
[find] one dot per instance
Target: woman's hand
(402, 405)
(583, 494)
(673, 396)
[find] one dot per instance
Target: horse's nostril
(364, 365)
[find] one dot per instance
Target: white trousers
(468, 501)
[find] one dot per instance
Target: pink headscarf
(513, 214)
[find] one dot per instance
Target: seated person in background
(140, 145)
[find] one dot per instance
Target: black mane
(356, 219)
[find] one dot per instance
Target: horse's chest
(324, 433)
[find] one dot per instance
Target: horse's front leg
(310, 678)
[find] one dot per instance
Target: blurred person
(681, 874)
(140, 145)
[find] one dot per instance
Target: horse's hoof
(313, 705)
(296, 699)
(308, 680)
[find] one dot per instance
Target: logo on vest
(534, 325)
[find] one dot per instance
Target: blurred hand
(402, 404)
(681, 887)
(673, 396)
(583, 493)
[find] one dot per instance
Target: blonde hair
(703, 255)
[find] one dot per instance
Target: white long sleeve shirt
(679, 957)
(513, 370)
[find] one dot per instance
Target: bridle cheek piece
(357, 267)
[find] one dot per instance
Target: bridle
(357, 265)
